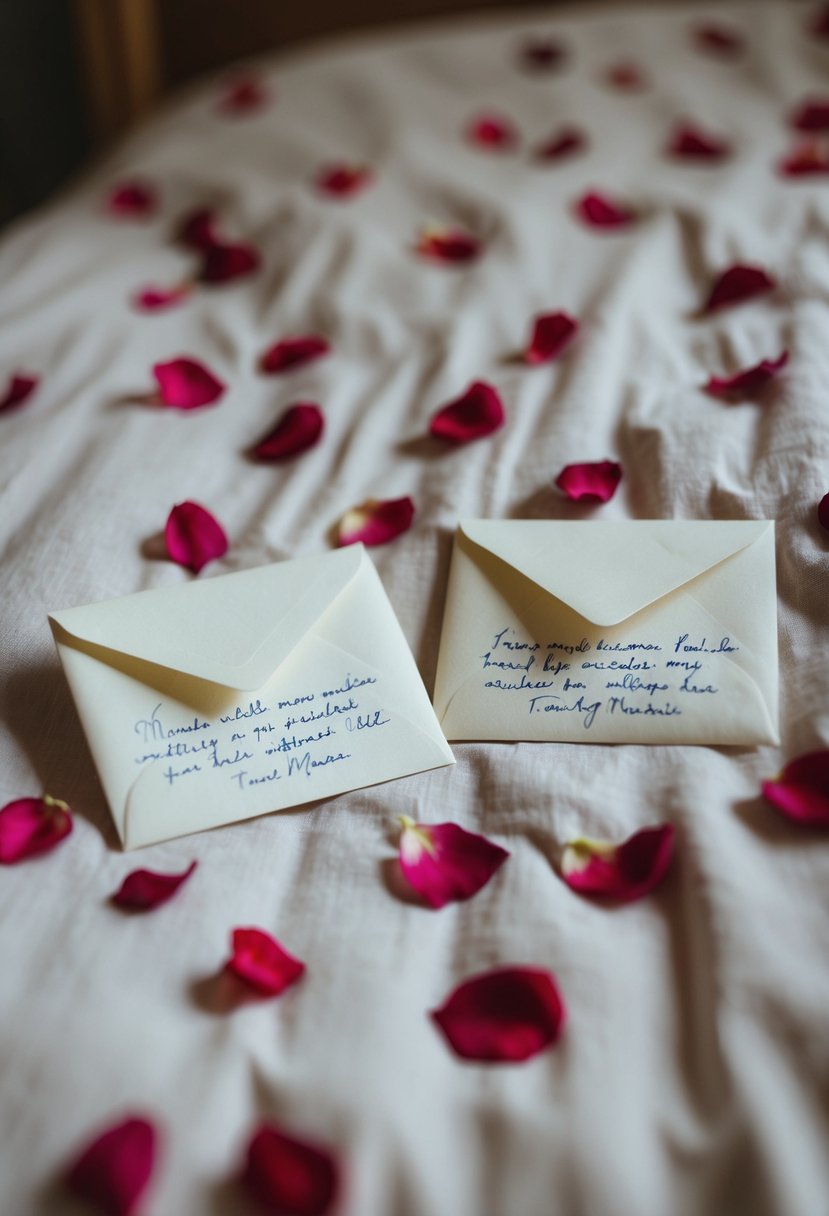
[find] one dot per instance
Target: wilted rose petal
(476, 413)
(627, 77)
(823, 512)
(225, 261)
(623, 872)
(158, 299)
(199, 229)
(738, 284)
(493, 132)
(375, 522)
(565, 142)
(29, 826)
(243, 96)
(132, 200)
(113, 1172)
(262, 962)
(143, 890)
(186, 384)
(20, 388)
(801, 792)
(343, 181)
(552, 333)
(718, 39)
(542, 54)
(749, 382)
(299, 428)
(449, 245)
(444, 863)
(599, 211)
(807, 159)
(812, 115)
(293, 352)
(288, 1176)
(503, 1016)
(193, 536)
(691, 143)
(596, 481)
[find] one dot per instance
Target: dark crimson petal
(801, 792)
(20, 388)
(450, 245)
(113, 1172)
(808, 159)
(624, 872)
(262, 962)
(223, 262)
(199, 229)
(819, 25)
(493, 132)
(552, 333)
(564, 142)
(750, 381)
(627, 77)
(143, 890)
(823, 512)
(599, 211)
(293, 352)
(444, 863)
(542, 54)
(133, 200)
(193, 536)
(158, 299)
(738, 284)
(476, 413)
(243, 96)
(186, 384)
(376, 523)
(692, 143)
(289, 1176)
(718, 39)
(503, 1016)
(596, 481)
(29, 826)
(812, 115)
(343, 181)
(299, 428)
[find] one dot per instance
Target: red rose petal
(20, 388)
(552, 333)
(599, 211)
(622, 872)
(448, 245)
(503, 1016)
(293, 352)
(143, 890)
(29, 826)
(750, 381)
(812, 115)
(243, 96)
(186, 384)
(808, 159)
(476, 413)
(193, 536)
(627, 77)
(444, 863)
(112, 1173)
(132, 200)
(223, 262)
(375, 522)
(158, 299)
(691, 143)
(738, 284)
(542, 54)
(596, 481)
(492, 132)
(199, 229)
(343, 181)
(563, 143)
(801, 792)
(299, 428)
(262, 962)
(823, 512)
(718, 39)
(289, 1176)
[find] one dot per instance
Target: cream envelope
(228, 697)
(623, 632)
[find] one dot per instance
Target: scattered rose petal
(503, 1016)
(552, 333)
(823, 512)
(542, 54)
(738, 284)
(812, 115)
(29, 826)
(223, 262)
(299, 429)
(132, 200)
(158, 299)
(623, 872)
(801, 792)
(599, 211)
(807, 159)
(343, 181)
(20, 388)
(293, 352)
(262, 962)
(112, 1173)
(691, 143)
(199, 229)
(376, 522)
(186, 384)
(819, 25)
(444, 863)
(493, 132)
(594, 481)
(627, 77)
(243, 96)
(143, 890)
(193, 536)
(565, 142)
(718, 39)
(450, 245)
(476, 413)
(289, 1176)
(750, 381)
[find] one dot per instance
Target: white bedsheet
(693, 1074)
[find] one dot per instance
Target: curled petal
(449, 245)
(565, 142)
(186, 384)
(293, 352)
(143, 890)
(493, 132)
(690, 142)
(552, 333)
(444, 863)
(503, 1016)
(158, 299)
(627, 77)
(199, 229)
(801, 792)
(738, 284)
(29, 826)
(750, 381)
(262, 962)
(623, 872)
(289, 1176)
(375, 522)
(299, 428)
(225, 261)
(823, 512)
(807, 159)
(132, 200)
(20, 389)
(812, 115)
(476, 413)
(542, 54)
(193, 536)
(343, 181)
(113, 1172)
(599, 211)
(718, 39)
(243, 96)
(596, 481)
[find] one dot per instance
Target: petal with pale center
(475, 414)
(193, 536)
(444, 863)
(290, 1176)
(503, 1016)
(623, 872)
(801, 792)
(143, 890)
(186, 384)
(596, 480)
(375, 522)
(113, 1171)
(29, 826)
(262, 962)
(299, 429)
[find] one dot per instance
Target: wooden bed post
(120, 55)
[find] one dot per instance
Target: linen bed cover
(693, 1073)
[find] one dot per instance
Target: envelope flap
(234, 629)
(606, 571)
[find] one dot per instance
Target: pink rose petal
(552, 333)
(243, 96)
(503, 1016)
(823, 512)
(143, 890)
(623, 872)
(492, 132)
(288, 1176)
(113, 1172)
(444, 863)
(600, 211)
(199, 229)
(812, 115)
(193, 536)
(29, 826)
(224, 262)
(750, 381)
(452, 246)
(476, 413)
(738, 284)
(801, 792)
(132, 200)
(593, 481)
(262, 962)
(718, 39)
(565, 142)
(158, 299)
(690, 142)
(299, 429)
(807, 159)
(343, 181)
(289, 353)
(542, 54)
(20, 388)
(186, 384)
(375, 522)
(627, 77)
